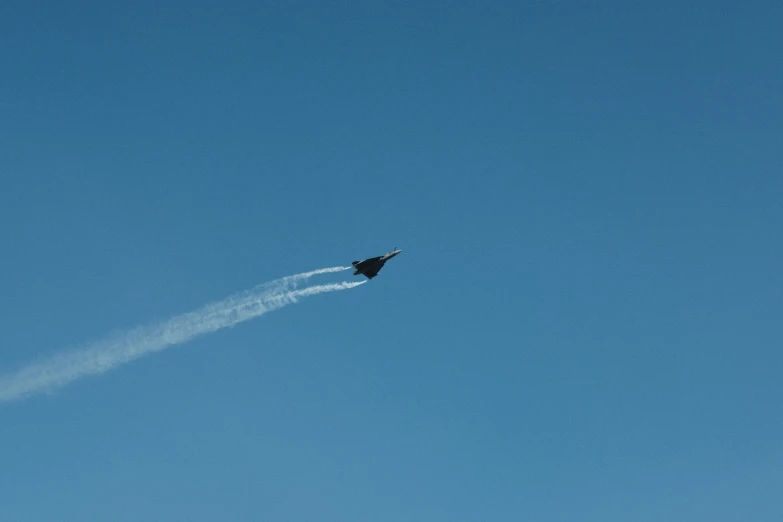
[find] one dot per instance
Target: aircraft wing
(371, 273)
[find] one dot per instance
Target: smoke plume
(108, 353)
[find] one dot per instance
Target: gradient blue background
(585, 323)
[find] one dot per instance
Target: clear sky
(585, 323)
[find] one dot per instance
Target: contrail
(101, 356)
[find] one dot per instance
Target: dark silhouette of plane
(370, 267)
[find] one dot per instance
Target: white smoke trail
(272, 287)
(103, 355)
(290, 281)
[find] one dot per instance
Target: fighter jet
(370, 267)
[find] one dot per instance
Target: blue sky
(584, 324)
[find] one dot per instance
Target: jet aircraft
(370, 267)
